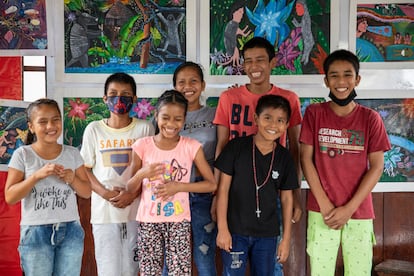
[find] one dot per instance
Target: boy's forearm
(222, 207)
(297, 196)
(311, 175)
(221, 216)
(286, 200)
(96, 186)
(223, 134)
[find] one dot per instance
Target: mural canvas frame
(304, 78)
(353, 39)
(49, 51)
(59, 62)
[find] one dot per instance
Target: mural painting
(133, 36)
(23, 24)
(13, 129)
(298, 29)
(398, 117)
(385, 32)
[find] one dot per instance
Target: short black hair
(273, 101)
(260, 42)
(121, 77)
(343, 55)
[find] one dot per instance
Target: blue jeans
(204, 233)
(259, 251)
(51, 249)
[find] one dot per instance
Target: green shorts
(356, 238)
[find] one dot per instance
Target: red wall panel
(10, 88)
(11, 85)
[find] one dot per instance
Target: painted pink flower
(143, 109)
(77, 109)
(176, 2)
(288, 50)
(287, 55)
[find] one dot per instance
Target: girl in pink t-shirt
(161, 167)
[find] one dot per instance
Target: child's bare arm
(224, 240)
(312, 177)
(293, 136)
(286, 199)
(139, 172)
(80, 182)
(223, 134)
(97, 186)
(17, 187)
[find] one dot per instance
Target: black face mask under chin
(343, 102)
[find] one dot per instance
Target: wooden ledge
(395, 267)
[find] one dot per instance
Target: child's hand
(48, 170)
(338, 217)
(326, 209)
(122, 199)
(224, 240)
(66, 175)
(283, 251)
(167, 190)
(110, 194)
(153, 171)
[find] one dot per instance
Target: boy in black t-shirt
(253, 170)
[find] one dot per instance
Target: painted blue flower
(384, 114)
(40, 43)
(270, 20)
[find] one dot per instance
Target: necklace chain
(258, 187)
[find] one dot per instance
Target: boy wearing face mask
(106, 150)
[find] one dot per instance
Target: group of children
(158, 192)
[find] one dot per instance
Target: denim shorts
(51, 249)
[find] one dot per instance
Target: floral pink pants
(172, 239)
